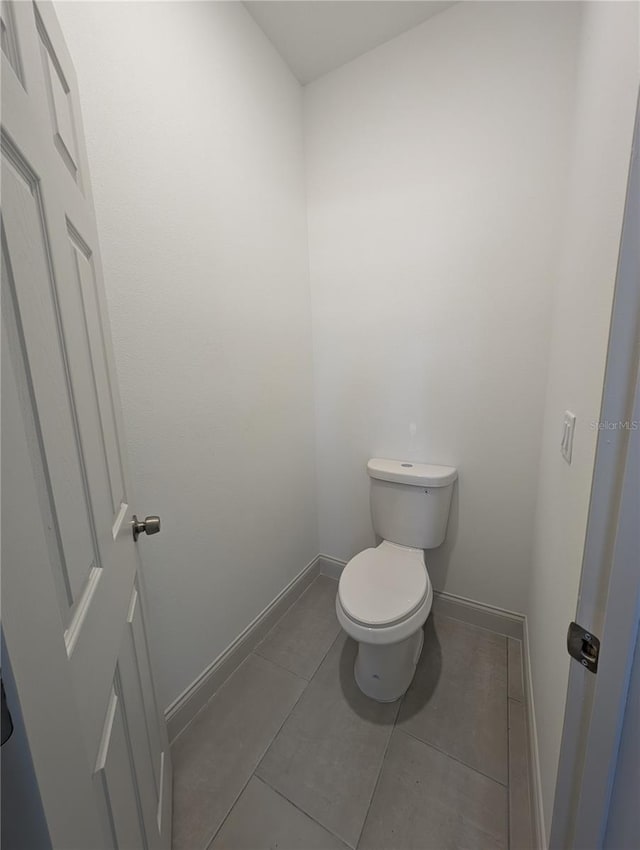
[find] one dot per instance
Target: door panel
(116, 778)
(60, 101)
(9, 40)
(53, 289)
(135, 675)
(143, 684)
(84, 270)
(26, 256)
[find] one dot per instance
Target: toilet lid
(380, 586)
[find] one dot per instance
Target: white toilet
(385, 595)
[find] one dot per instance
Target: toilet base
(385, 671)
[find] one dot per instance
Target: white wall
(194, 135)
(584, 283)
(436, 171)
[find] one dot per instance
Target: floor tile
(302, 638)
(516, 673)
(428, 801)
(520, 822)
(458, 698)
(263, 820)
(217, 753)
(320, 597)
(328, 754)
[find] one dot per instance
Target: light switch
(568, 427)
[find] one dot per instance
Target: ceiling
(316, 36)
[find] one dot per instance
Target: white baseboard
(182, 710)
(331, 567)
(479, 614)
(535, 780)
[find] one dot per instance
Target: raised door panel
(138, 630)
(10, 46)
(64, 130)
(146, 737)
(84, 271)
(133, 768)
(116, 780)
(29, 274)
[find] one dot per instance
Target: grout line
(380, 769)
(448, 755)
(275, 735)
(228, 681)
(278, 730)
(440, 615)
(326, 828)
(281, 666)
(207, 703)
(522, 702)
(231, 808)
(508, 678)
(527, 760)
(294, 672)
(302, 811)
(280, 793)
(239, 665)
(256, 651)
(286, 611)
(515, 699)
(508, 750)
(252, 652)
(261, 759)
(299, 675)
(331, 645)
(455, 758)
(452, 757)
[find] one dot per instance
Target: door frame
(609, 595)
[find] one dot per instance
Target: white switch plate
(568, 427)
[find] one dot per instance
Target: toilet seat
(384, 598)
(384, 586)
(381, 635)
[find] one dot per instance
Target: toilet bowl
(384, 593)
(384, 598)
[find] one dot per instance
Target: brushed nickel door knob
(150, 525)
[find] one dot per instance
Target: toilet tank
(410, 501)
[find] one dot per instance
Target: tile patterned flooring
(289, 754)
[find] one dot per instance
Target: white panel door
(73, 612)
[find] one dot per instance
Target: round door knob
(150, 525)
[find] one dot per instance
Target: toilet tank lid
(407, 472)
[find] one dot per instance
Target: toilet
(384, 594)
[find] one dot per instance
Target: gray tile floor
(289, 754)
